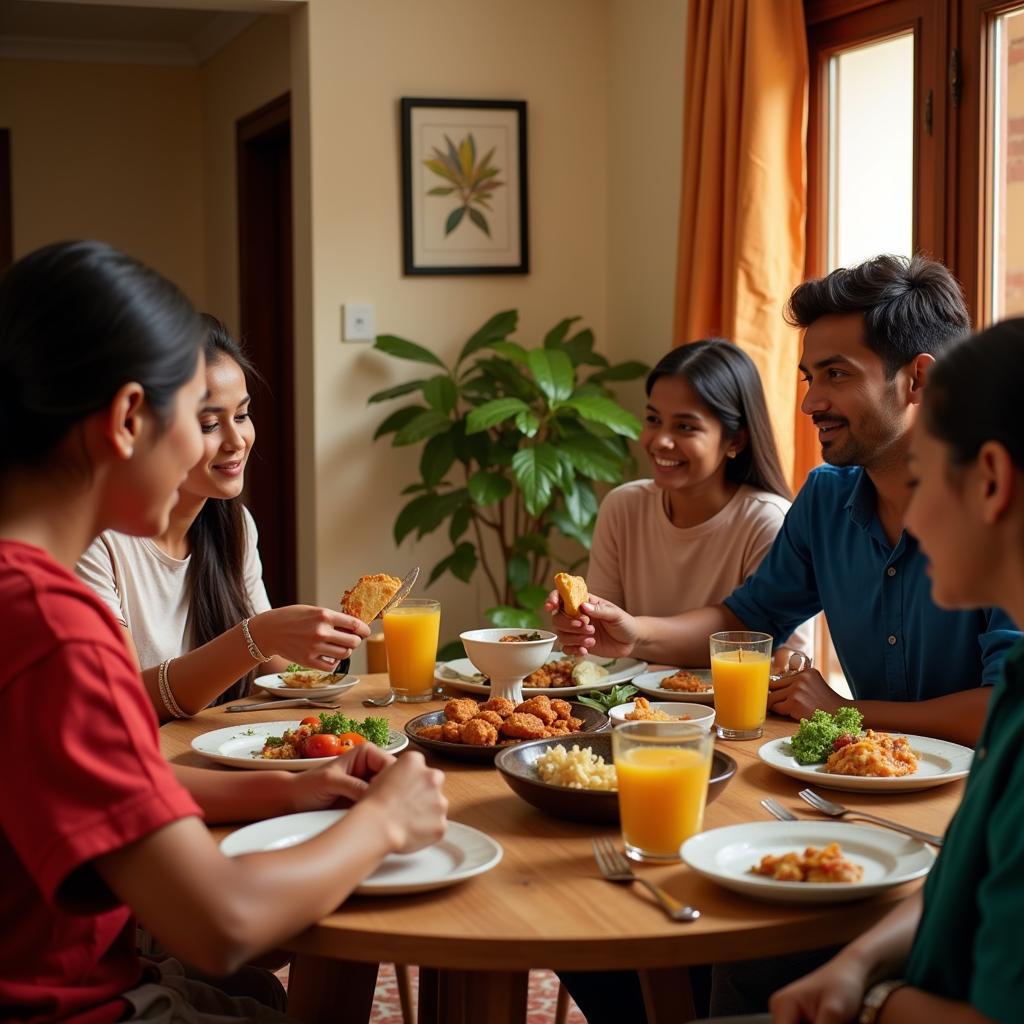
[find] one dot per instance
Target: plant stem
(483, 556)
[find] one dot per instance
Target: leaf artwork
(470, 181)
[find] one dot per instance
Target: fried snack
(488, 716)
(539, 706)
(562, 708)
(520, 726)
(460, 710)
(554, 673)
(643, 712)
(573, 592)
(478, 733)
(500, 705)
(685, 682)
(559, 727)
(874, 755)
(366, 599)
(814, 865)
(451, 732)
(432, 732)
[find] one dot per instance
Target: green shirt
(970, 942)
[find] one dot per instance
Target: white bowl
(699, 714)
(506, 664)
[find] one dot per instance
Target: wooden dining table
(546, 905)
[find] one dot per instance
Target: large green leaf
(527, 423)
(536, 469)
(532, 597)
(398, 389)
(398, 419)
(428, 423)
(460, 523)
(426, 512)
(621, 371)
(593, 457)
(461, 563)
(559, 332)
(510, 350)
(517, 572)
(487, 488)
(473, 448)
(603, 410)
(553, 372)
(440, 393)
(402, 349)
(581, 503)
(508, 617)
(485, 416)
(502, 375)
(437, 458)
(499, 327)
(561, 518)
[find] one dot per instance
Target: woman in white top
(192, 600)
(689, 536)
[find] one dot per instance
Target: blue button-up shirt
(892, 641)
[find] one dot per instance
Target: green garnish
(375, 730)
(812, 742)
(273, 741)
(295, 667)
(608, 699)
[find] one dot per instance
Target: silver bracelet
(166, 694)
(254, 652)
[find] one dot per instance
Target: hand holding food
(307, 635)
(605, 629)
(799, 694)
(412, 804)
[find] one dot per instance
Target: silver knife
(289, 702)
(403, 591)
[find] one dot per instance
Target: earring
(129, 452)
(730, 455)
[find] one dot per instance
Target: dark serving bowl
(516, 764)
(593, 722)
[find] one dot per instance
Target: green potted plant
(514, 439)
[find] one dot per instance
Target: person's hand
(603, 628)
(800, 694)
(342, 781)
(830, 995)
(409, 797)
(308, 635)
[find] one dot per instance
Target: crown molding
(96, 51)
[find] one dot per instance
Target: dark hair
(971, 393)
(727, 381)
(218, 599)
(909, 306)
(78, 321)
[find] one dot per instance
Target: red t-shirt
(83, 776)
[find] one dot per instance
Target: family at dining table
(124, 439)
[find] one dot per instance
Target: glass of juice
(662, 770)
(740, 664)
(410, 640)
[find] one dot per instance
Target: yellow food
(369, 595)
(579, 768)
(685, 682)
(814, 865)
(310, 679)
(875, 754)
(573, 592)
(643, 712)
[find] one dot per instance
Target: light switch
(359, 322)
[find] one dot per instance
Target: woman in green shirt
(953, 952)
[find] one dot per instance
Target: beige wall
(109, 151)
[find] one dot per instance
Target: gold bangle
(875, 999)
(166, 694)
(254, 652)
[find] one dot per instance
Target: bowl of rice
(573, 778)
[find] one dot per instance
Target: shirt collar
(862, 503)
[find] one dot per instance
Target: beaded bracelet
(166, 694)
(254, 652)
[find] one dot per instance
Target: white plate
(461, 854)
(699, 714)
(938, 762)
(620, 670)
(238, 745)
(650, 684)
(274, 685)
(726, 855)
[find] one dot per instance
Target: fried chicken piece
(451, 732)
(460, 710)
(539, 706)
(431, 732)
(488, 716)
(573, 592)
(522, 726)
(559, 727)
(500, 705)
(562, 708)
(478, 733)
(575, 724)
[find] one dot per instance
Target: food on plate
(573, 592)
(623, 693)
(309, 678)
(518, 638)
(814, 865)
(685, 682)
(554, 673)
(814, 740)
(875, 755)
(326, 735)
(499, 721)
(579, 768)
(369, 595)
(588, 673)
(643, 712)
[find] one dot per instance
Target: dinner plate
(462, 853)
(650, 683)
(239, 746)
(726, 855)
(620, 670)
(938, 762)
(274, 685)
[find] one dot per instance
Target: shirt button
(892, 641)
(980, 753)
(891, 571)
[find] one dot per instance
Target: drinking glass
(410, 639)
(740, 664)
(662, 770)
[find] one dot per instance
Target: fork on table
(834, 810)
(776, 810)
(615, 868)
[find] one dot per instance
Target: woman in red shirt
(102, 361)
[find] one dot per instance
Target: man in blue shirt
(870, 335)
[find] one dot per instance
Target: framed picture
(464, 187)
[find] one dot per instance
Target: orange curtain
(741, 236)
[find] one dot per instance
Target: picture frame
(464, 187)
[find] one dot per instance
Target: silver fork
(774, 808)
(615, 868)
(834, 810)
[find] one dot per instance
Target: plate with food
(462, 853)
(644, 710)
(806, 861)
(560, 676)
(690, 684)
(295, 746)
(297, 681)
(832, 750)
(467, 730)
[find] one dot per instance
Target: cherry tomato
(351, 739)
(323, 744)
(312, 720)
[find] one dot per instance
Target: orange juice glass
(410, 639)
(740, 664)
(662, 770)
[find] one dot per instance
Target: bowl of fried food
(574, 778)
(644, 710)
(507, 656)
(467, 730)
